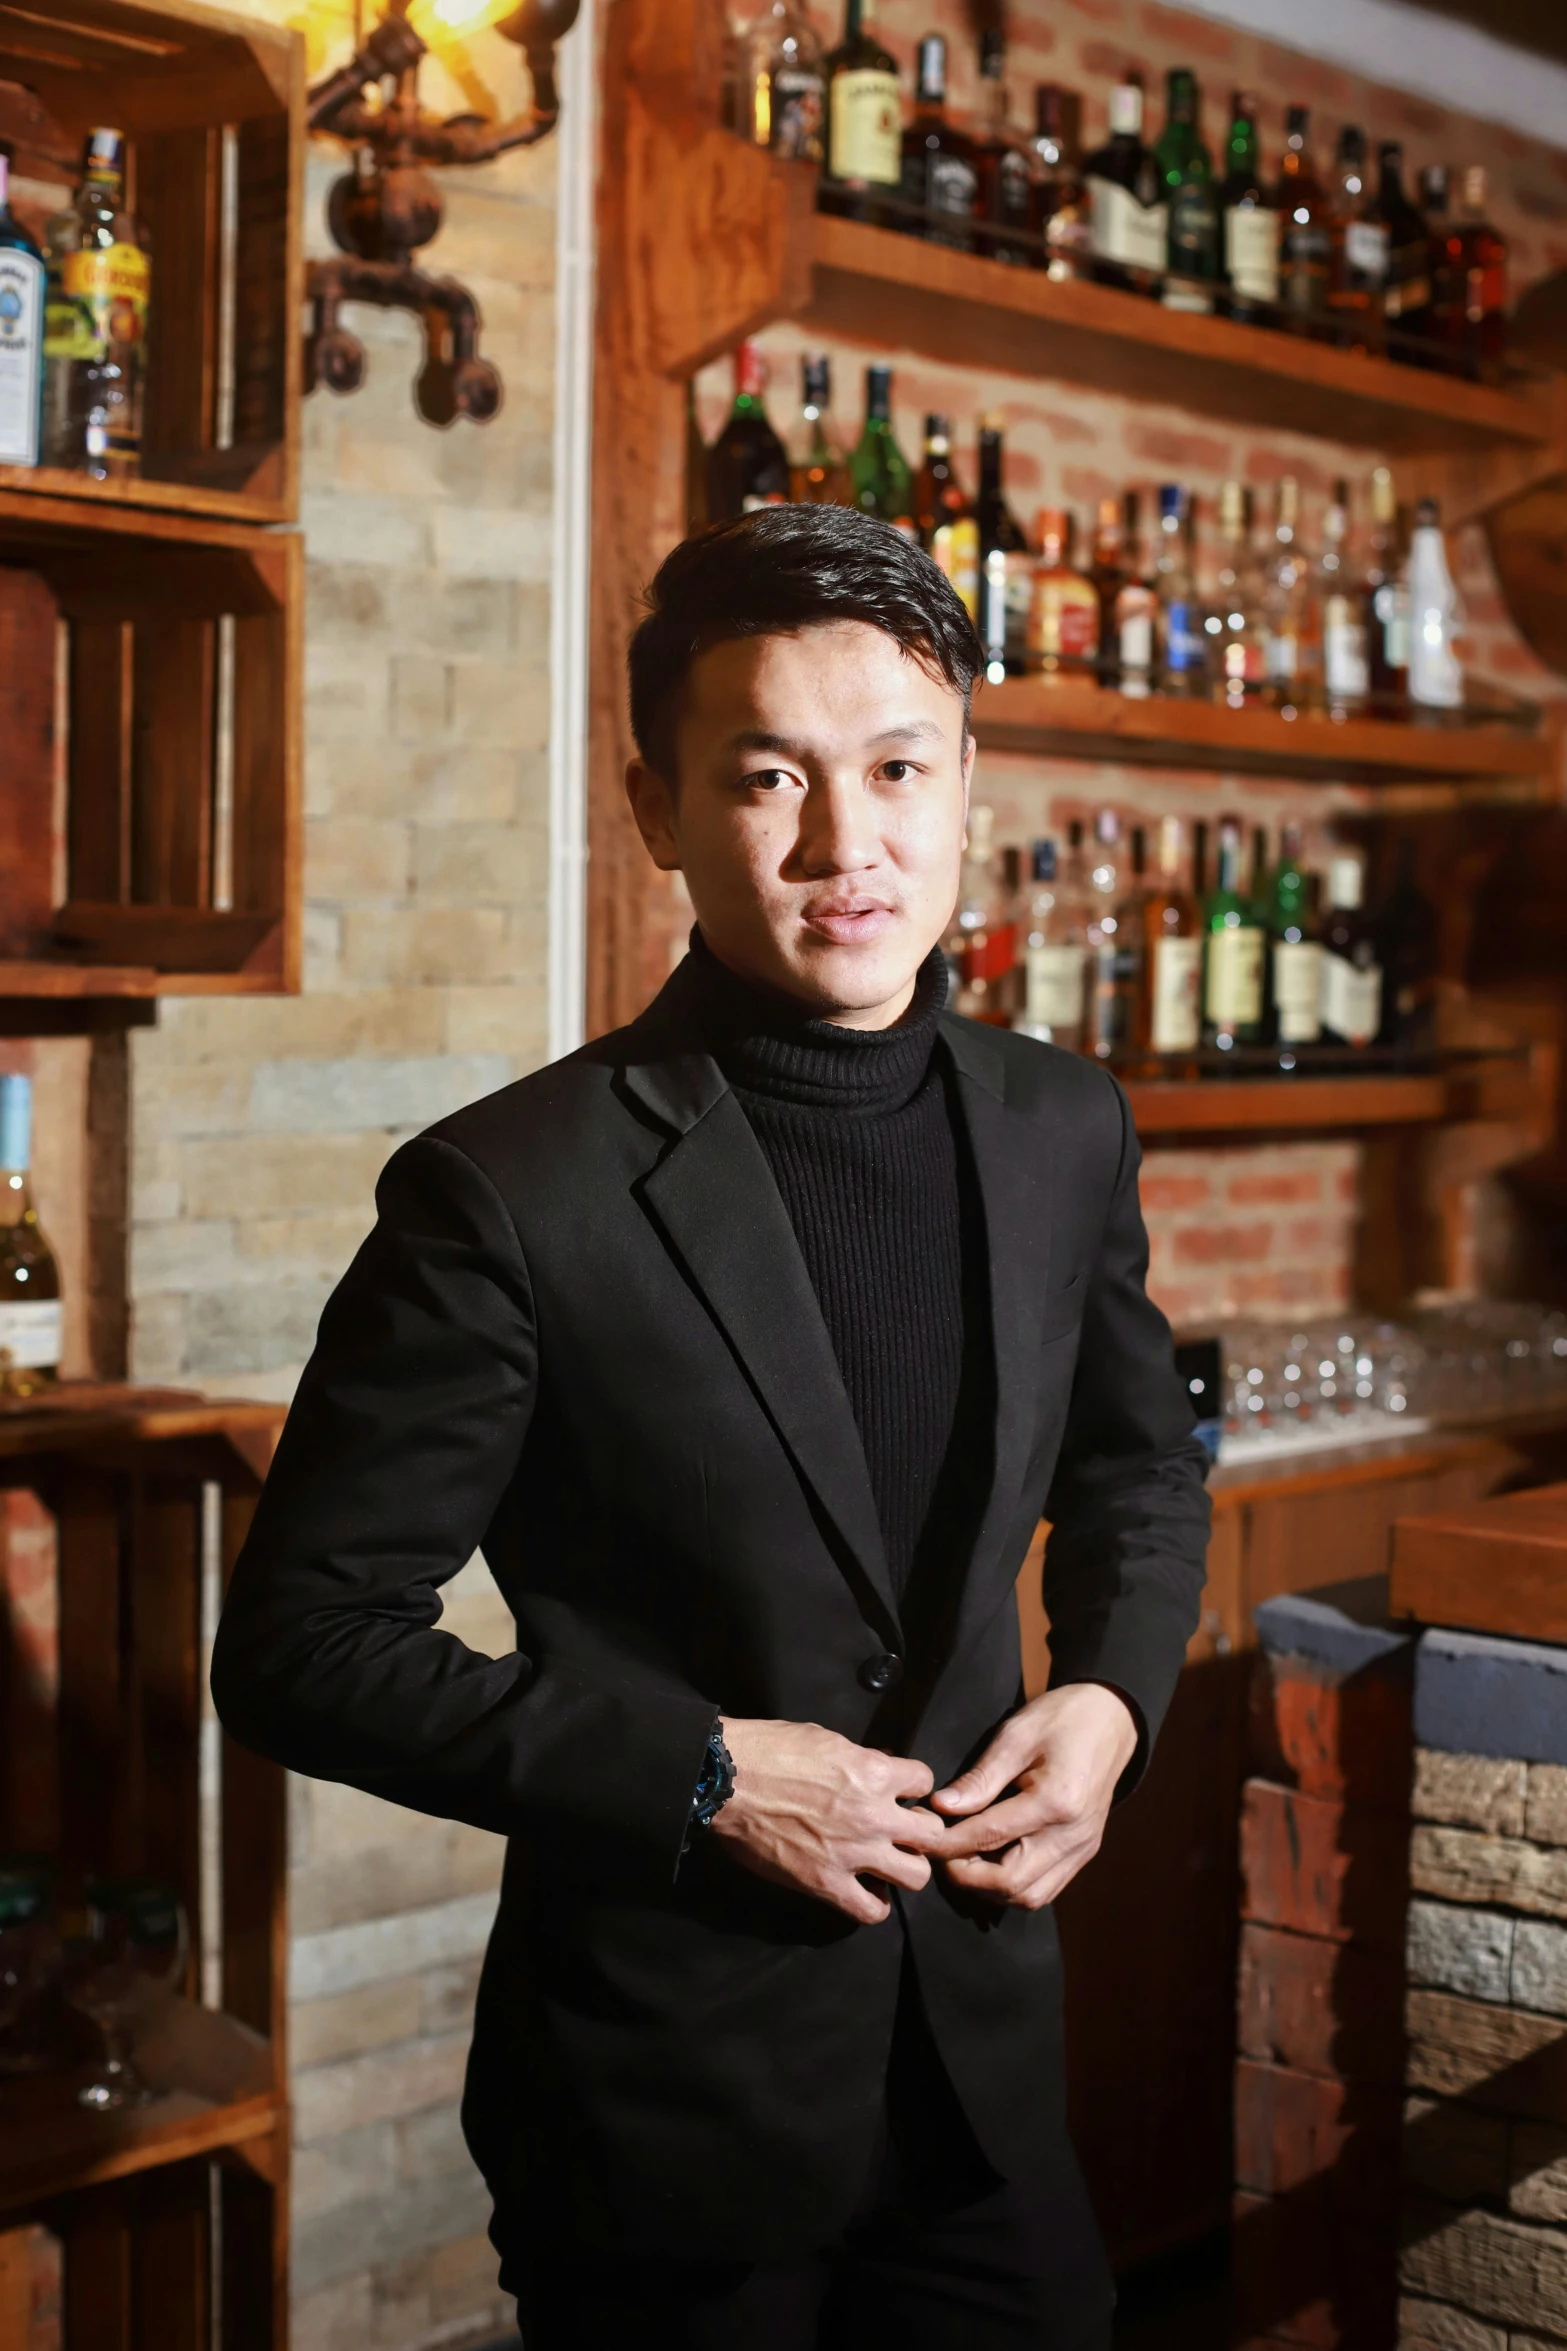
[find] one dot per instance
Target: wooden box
(213, 107)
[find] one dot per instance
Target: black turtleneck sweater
(858, 1128)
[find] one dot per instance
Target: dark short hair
(782, 568)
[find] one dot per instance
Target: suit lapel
(714, 1196)
(1013, 1163)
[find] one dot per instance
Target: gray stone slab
(1340, 1627)
(1477, 1694)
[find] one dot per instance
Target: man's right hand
(814, 1812)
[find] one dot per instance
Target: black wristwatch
(716, 1783)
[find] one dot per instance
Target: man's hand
(1041, 1790)
(813, 1812)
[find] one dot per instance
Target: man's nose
(837, 834)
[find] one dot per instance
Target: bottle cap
(938, 431)
(1297, 121)
(1107, 825)
(1126, 109)
(817, 377)
(103, 155)
(1352, 144)
(1044, 861)
(933, 67)
(16, 1124)
(750, 371)
(1474, 187)
(1171, 844)
(992, 53)
(878, 391)
(1346, 882)
(1234, 502)
(1172, 500)
(1289, 502)
(1427, 514)
(1390, 154)
(1052, 526)
(1243, 106)
(1434, 187)
(1384, 497)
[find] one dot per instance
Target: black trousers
(941, 2255)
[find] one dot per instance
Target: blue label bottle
(21, 332)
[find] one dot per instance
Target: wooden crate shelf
(180, 758)
(203, 95)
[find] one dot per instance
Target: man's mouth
(848, 921)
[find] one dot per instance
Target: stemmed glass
(127, 1940)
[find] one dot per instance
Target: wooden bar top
(1490, 1567)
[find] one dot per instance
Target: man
(751, 1343)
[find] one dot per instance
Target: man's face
(823, 785)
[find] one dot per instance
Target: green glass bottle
(1233, 991)
(1191, 199)
(880, 481)
(21, 332)
(1295, 959)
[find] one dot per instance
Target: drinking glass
(128, 1939)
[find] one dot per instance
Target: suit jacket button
(881, 1673)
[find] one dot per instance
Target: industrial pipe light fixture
(388, 206)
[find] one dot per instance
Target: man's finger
(904, 1776)
(919, 1830)
(862, 1904)
(984, 1781)
(1022, 1815)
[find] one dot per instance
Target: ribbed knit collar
(765, 1047)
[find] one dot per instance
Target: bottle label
(1135, 636)
(1297, 990)
(1235, 961)
(1351, 999)
(1408, 287)
(1391, 606)
(1135, 235)
(1014, 186)
(1434, 675)
(865, 130)
(1053, 996)
(1064, 621)
(989, 954)
(30, 1334)
(21, 354)
(1283, 656)
(1183, 641)
(1175, 1013)
(950, 185)
(101, 299)
(954, 548)
(1304, 253)
(797, 113)
(1193, 249)
(1346, 672)
(1251, 251)
(1366, 249)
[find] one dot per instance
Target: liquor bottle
(1233, 986)
(983, 943)
(1357, 276)
(864, 121)
(1387, 601)
(1006, 168)
(1305, 241)
(1170, 998)
(1250, 242)
(1006, 565)
(1442, 243)
(1108, 574)
(943, 517)
(21, 333)
(1295, 975)
(783, 83)
(95, 325)
(1059, 210)
(746, 466)
(1192, 242)
(1346, 670)
(1235, 625)
(1435, 678)
(1351, 975)
(818, 472)
(939, 179)
(1063, 619)
(1479, 262)
(1406, 300)
(1289, 609)
(1114, 959)
(880, 482)
(1182, 652)
(1126, 199)
(29, 1276)
(1052, 933)
(1408, 940)
(1136, 616)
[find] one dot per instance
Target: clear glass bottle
(864, 121)
(30, 1309)
(1192, 233)
(1351, 974)
(746, 465)
(982, 944)
(1305, 240)
(95, 329)
(1387, 601)
(1234, 625)
(1295, 962)
(1233, 966)
(1346, 669)
(783, 83)
(1183, 660)
(1126, 199)
(1290, 609)
(1114, 957)
(939, 178)
(880, 482)
(1058, 201)
(818, 470)
(944, 517)
(1248, 220)
(1006, 167)
(1170, 997)
(1063, 619)
(1052, 933)
(1006, 565)
(21, 333)
(1436, 681)
(1136, 615)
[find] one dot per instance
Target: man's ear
(653, 806)
(969, 749)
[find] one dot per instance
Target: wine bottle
(1191, 201)
(864, 125)
(880, 482)
(746, 466)
(1233, 981)
(1296, 964)
(1126, 199)
(1250, 244)
(1170, 998)
(30, 1316)
(818, 473)
(1063, 621)
(21, 332)
(1006, 566)
(1351, 974)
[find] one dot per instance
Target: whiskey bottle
(1052, 934)
(1006, 169)
(21, 332)
(29, 1276)
(1108, 573)
(880, 482)
(1126, 199)
(1290, 610)
(864, 125)
(1063, 618)
(1058, 203)
(1234, 625)
(1406, 300)
(1305, 240)
(95, 327)
(1351, 974)
(1136, 615)
(1387, 601)
(1191, 201)
(939, 181)
(943, 517)
(783, 82)
(1295, 973)
(1346, 671)
(1169, 1018)
(1249, 223)
(1357, 272)
(1233, 985)
(746, 465)
(1479, 264)
(1006, 566)
(818, 472)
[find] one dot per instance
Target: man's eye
(897, 771)
(768, 779)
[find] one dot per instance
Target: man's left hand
(1032, 1810)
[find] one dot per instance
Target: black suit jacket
(582, 1337)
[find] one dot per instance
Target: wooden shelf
(254, 491)
(1073, 721)
(1500, 1089)
(877, 286)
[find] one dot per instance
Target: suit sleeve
(1125, 1560)
(405, 1433)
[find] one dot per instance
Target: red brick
(1277, 1189)
(1322, 1868)
(1330, 1736)
(1182, 453)
(1199, 34)
(1160, 1191)
(1223, 1244)
(1334, 2009)
(1294, 2129)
